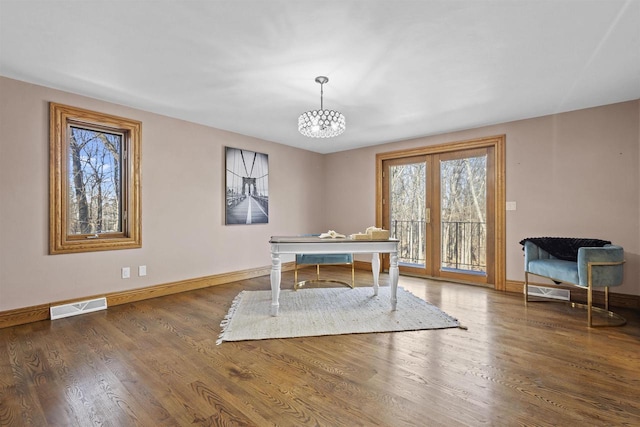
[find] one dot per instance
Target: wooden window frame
(60, 242)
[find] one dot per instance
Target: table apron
(338, 247)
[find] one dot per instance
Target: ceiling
(397, 69)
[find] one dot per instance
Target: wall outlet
(511, 206)
(126, 272)
(142, 270)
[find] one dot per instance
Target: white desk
(315, 245)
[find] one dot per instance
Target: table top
(316, 239)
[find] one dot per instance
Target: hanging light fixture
(321, 123)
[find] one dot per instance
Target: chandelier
(321, 123)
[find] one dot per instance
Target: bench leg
(353, 274)
(589, 303)
(298, 285)
(526, 287)
(614, 319)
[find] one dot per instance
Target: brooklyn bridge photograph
(247, 187)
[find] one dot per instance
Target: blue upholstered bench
(564, 260)
(323, 259)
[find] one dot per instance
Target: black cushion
(565, 248)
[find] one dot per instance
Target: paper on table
(332, 234)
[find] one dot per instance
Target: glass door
(464, 216)
(407, 210)
(439, 206)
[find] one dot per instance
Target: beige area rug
(328, 311)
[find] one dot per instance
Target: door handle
(428, 215)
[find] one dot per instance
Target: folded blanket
(565, 248)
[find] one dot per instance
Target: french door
(440, 203)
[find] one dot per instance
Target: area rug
(328, 311)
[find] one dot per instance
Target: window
(95, 201)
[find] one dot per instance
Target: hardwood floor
(156, 363)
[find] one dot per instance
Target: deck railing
(463, 244)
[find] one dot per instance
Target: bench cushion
(560, 270)
(324, 258)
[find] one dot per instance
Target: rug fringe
(227, 318)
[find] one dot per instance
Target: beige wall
(573, 174)
(184, 235)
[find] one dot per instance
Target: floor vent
(554, 293)
(66, 310)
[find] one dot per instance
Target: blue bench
(564, 260)
(323, 259)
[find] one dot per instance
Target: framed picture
(246, 187)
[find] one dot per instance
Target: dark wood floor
(156, 363)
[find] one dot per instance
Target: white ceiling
(397, 69)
